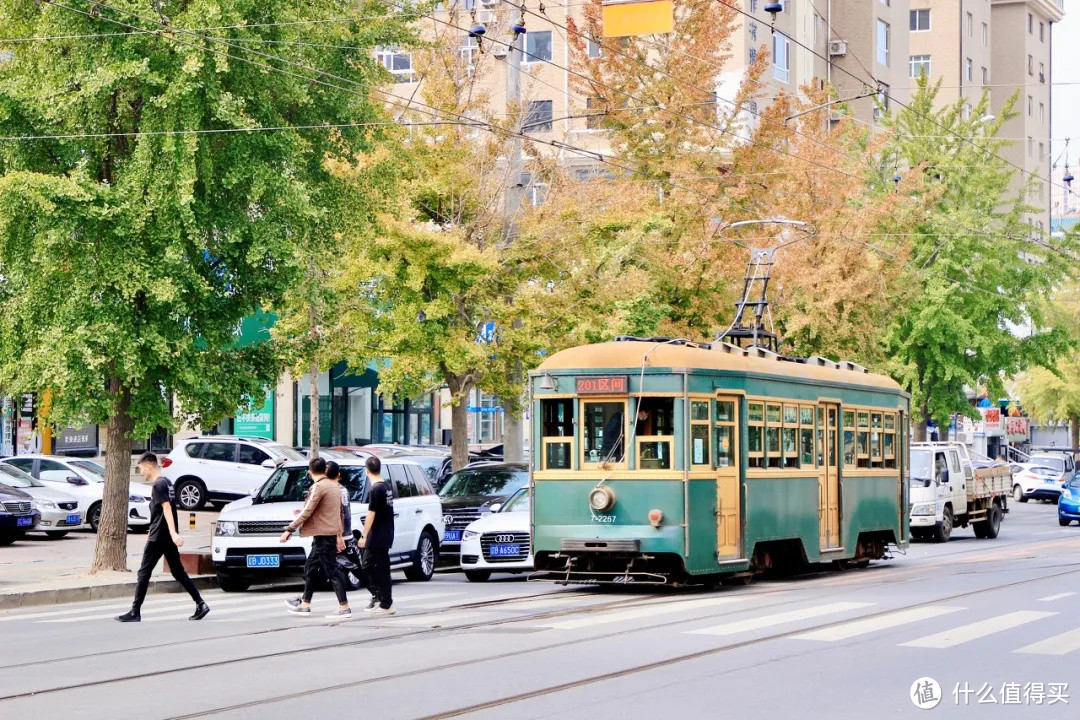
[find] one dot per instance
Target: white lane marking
(1059, 596)
(636, 613)
(171, 607)
(861, 627)
(1062, 644)
(91, 609)
(976, 630)
(427, 620)
(228, 611)
(765, 621)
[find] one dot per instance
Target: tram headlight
(601, 498)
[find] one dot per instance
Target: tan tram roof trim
(628, 355)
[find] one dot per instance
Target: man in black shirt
(378, 537)
(162, 540)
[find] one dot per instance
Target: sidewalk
(39, 571)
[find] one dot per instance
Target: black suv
(17, 514)
(470, 494)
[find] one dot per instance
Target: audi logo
(448, 519)
(504, 538)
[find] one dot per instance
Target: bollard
(191, 521)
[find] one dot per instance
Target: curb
(58, 596)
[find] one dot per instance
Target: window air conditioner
(837, 48)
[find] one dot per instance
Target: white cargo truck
(949, 490)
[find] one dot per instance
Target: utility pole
(512, 418)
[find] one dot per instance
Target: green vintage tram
(671, 462)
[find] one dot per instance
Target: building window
(1042, 152)
(968, 69)
(1042, 33)
(882, 42)
(753, 5)
(1030, 145)
(1031, 65)
(919, 20)
(533, 190)
(595, 49)
(1042, 73)
(967, 111)
(820, 30)
(595, 114)
(470, 46)
(538, 46)
(1030, 106)
(919, 65)
(753, 55)
(1042, 113)
(985, 76)
(397, 62)
(781, 67)
(753, 31)
(885, 3)
(538, 117)
(1031, 23)
(970, 22)
(882, 98)
(985, 34)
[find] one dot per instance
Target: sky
(1065, 99)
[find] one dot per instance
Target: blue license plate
(73, 519)
(263, 561)
(505, 550)
(452, 536)
(1049, 481)
(25, 521)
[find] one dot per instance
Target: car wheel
(423, 566)
(55, 534)
(1064, 522)
(93, 516)
(478, 575)
(1018, 494)
(943, 531)
(233, 583)
(190, 494)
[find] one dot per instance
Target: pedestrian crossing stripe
(783, 618)
(855, 628)
(982, 628)
(636, 613)
(1062, 644)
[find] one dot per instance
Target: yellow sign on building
(623, 18)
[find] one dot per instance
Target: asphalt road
(984, 619)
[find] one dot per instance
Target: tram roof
(631, 355)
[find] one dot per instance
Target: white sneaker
(377, 610)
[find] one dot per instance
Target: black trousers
(377, 564)
(323, 557)
(154, 551)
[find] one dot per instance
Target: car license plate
(1049, 481)
(263, 561)
(73, 519)
(505, 550)
(452, 536)
(25, 521)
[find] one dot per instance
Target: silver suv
(222, 468)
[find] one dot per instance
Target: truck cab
(948, 491)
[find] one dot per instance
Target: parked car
(59, 510)
(499, 542)
(17, 514)
(1036, 481)
(246, 545)
(472, 493)
(85, 479)
(1069, 503)
(1062, 461)
(433, 465)
(222, 468)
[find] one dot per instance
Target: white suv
(222, 468)
(246, 543)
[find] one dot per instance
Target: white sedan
(1031, 481)
(85, 479)
(500, 541)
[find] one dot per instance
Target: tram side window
(791, 436)
(806, 436)
(557, 432)
(888, 440)
(725, 434)
(862, 436)
(699, 432)
(849, 438)
(820, 437)
(773, 426)
(605, 431)
(755, 435)
(877, 460)
(654, 433)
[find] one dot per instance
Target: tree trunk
(314, 402)
(1074, 434)
(919, 418)
(110, 552)
(459, 421)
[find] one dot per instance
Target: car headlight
(44, 504)
(225, 528)
(923, 509)
(469, 534)
(138, 498)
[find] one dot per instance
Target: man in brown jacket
(321, 521)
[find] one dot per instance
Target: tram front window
(605, 431)
(557, 433)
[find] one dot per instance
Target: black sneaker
(130, 616)
(372, 603)
(201, 611)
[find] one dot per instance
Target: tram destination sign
(610, 385)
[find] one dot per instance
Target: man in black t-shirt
(378, 538)
(162, 540)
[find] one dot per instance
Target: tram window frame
(774, 426)
(662, 437)
(563, 420)
(806, 433)
(789, 437)
(697, 425)
(877, 459)
(724, 424)
(616, 461)
(755, 435)
(849, 430)
(862, 439)
(889, 436)
(819, 455)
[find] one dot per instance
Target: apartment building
(869, 47)
(951, 41)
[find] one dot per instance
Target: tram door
(829, 475)
(728, 500)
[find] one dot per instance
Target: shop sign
(259, 422)
(72, 439)
(1016, 428)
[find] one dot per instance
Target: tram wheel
(738, 579)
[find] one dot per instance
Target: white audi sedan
(500, 541)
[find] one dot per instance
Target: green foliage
(975, 267)
(131, 252)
